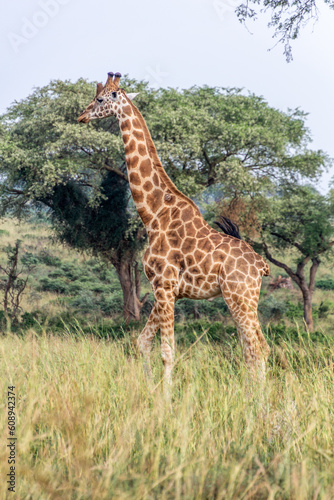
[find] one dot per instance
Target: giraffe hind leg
(243, 309)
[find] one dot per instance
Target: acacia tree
(78, 173)
(204, 136)
(288, 17)
(296, 224)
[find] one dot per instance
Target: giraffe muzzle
(83, 118)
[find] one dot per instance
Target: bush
(58, 285)
(325, 284)
(49, 260)
(187, 309)
(29, 259)
(273, 308)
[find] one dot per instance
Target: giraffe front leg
(144, 341)
(165, 305)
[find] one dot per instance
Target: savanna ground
(88, 427)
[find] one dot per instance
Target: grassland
(89, 428)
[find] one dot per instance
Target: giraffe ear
(132, 95)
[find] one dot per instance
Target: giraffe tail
(228, 227)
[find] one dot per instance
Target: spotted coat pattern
(185, 256)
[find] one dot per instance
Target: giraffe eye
(114, 95)
(99, 100)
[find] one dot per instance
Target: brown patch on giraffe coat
(164, 218)
(155, 224)
(146, 168)
(181, 232)
(206, 264)
(216, 238)
(126, 125)
(148, 186)
(188, 278)
(187, 214)
(132, 162)
(149, 272)
(175, 224)
(199, 280)
(190, 229)
(206, 287)
(205, 245)
(173, 239)
(138, 134)
(145, 216)
(136, 123)
(153, 199)
(157, 264)
(175, 257)
(134, 178)
(138, 196)
(202, 233)
(199, 255)
(182, 204)
(130, 148)
(188, 245)
(142, 149)
(169, 273)
(160, 246)
(155, 179)
(159, 293)
(127, 110)
(194, 270)
(126, 138)
(190, 261)
(242, 265)
(212, 279)
(198, 222)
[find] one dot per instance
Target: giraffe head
(108, 101)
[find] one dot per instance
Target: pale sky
(176, 43)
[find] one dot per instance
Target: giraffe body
(185, 256)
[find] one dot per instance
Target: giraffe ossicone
(185, 257)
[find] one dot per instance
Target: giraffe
(185, 257)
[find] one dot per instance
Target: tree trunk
(307, 298)
(126, 275)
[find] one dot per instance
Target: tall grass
(88, 427)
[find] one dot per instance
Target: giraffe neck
(151, 188)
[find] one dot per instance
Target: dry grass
(88, 428)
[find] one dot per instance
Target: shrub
(325, 284)
(49, 260)
(58, 285)
(196, 309)
(273, 308)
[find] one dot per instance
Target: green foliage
(287, 18)
(273, 308)
(187, 309)
(295, 310)
(325, 284)
(299, 217)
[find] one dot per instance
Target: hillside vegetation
(66, 288)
